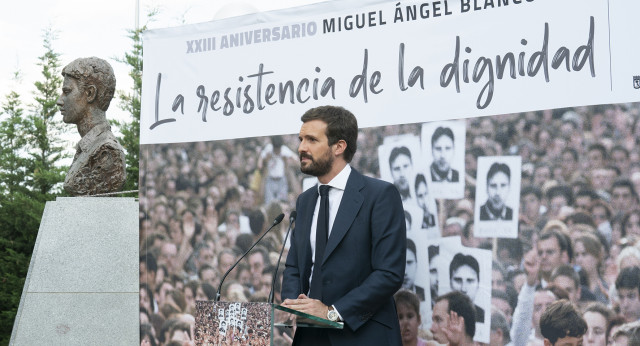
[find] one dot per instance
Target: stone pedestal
(83, 281)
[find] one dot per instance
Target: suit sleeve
(291, 275)
(388, 260)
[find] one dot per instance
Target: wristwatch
(332, 315)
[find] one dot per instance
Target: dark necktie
(322, 233)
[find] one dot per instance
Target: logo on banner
(636, 82)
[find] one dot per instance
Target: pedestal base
(83, 282)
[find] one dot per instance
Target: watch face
(332, 315)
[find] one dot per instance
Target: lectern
(234, 323)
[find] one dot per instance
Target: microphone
(276, 221)
(292, 219)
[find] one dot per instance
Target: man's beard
(496, 204)
(442, 166)
(317, 167)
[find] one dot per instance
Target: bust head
(95, 72)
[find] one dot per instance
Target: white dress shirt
(338, 184)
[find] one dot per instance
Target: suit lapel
(351, 202)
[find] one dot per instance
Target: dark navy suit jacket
(363, 264)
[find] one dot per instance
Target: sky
(97, 28)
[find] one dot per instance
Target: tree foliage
(45, 134)
(13, 133)
(30, 174)
(130, 102)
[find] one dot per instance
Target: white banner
(387, 62)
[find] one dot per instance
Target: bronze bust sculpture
(99, 163)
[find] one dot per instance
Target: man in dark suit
(353, 280)
(442, 149)
(498, 184)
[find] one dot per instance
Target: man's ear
(341, 146)
(547, 342)
(92, 93)
(499, 332)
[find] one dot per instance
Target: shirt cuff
(336, 310)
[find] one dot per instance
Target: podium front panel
(232, 323)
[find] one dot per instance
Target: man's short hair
(433, 250)
(411, 246)
(572, 152)
(460, 260)
(408, 298)
(566, 271)
(599, 147)
(439, 132)
(561, 238)
(513, 246)
(560, 320)
(599, 308)
(620, 148)
(531, 190)
(499, 322)
(625, 183)
(462, 305)
(97, 72)
(498, 167)
(498, 294)
(206, 267)
(420, 179)
(557, 291)
(585, 192)
(562, 191)
(226, 251)
(150, 261)
(263, 252)
(182, 326)
(341, 125)
(629, 278)
(397, 151)
(598, 203)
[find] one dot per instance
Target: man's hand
(454, 331)
(531, 266)
(307, 305)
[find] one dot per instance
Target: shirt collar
(91, 136)
(446, 177)
(340, 180)
(502, 214)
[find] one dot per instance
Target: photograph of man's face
(465, 280)
(422, 194)
(401, 168)
(442, 149)
(500, 205)
(464, 276)
(410, 270)
(498, 190)
(434, 263)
